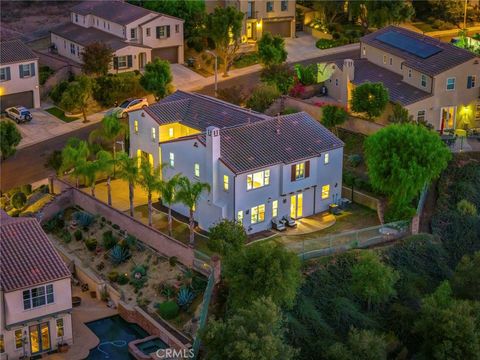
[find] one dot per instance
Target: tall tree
(168, 198)
(89, 170)
(224, 27)
(466, 279)
(9, 138)
(77, 95)
(149, 180)
(157, 78)
(226, 235)
(96, 58)
(128, 171)
(331, 10)
(377, 13)
(253, 332)
(74, 155)
(405, 154)
(361, 345)
(271, 49)
(105, 165)
(188, 194)
(333, 116)
(369, 98)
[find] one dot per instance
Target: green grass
(60, 114)
(244, 60)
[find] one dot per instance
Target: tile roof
(15, 51)
(282, 139)
(27, 257)
(399, 91)
(86, 36)
(200, 111)
(448, 57)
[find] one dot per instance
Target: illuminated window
(197, 169)
(170, 132)
(258, 179)
(477, 112)
(172, 160)
(2, 344)
(153, 134)
(225, 182)
(240, 216)
(421, 115)
(384, 59)
(135, 126)
(18, 339)
(258, 214)
(450, 84)
(423, 81)
(300, 171)
(60, 329)
(275, 208)
(364, 50)
(325, 191)
(326, 159)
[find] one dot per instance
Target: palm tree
(188, 194)
(89, 169)
(128, 172)
(149, 180)
(105, 165)
(167, 195)
(74, 155)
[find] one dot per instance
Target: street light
(216, 64)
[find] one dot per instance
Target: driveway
(182, 76)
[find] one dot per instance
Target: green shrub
(280, 76)
(325, 43)
(78, 234)
(83, 218)
(18, 200)
(168, 309)
(263, 97)
(57, 91)
(111, 88)
(139, 276)
(108, 240)
(131, 241)
(91, 244)
(307, 75)
(26, 189)
(66, 236)
(290, 110)
(116, 226)
(122, 279)
(112, 276)
(246, 59)
(354, 160)
(44, 72)
(465, 207)
(119, 255)
(173, 260)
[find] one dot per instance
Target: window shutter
(129, 61)
(20, 70)
(158, 32)
(9, 77)
(292, 174)
(115, 62)
(307, 169)
(469, 82)
(32, 69)
(168, 31)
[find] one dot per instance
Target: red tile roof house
(435, 81)
(35, 291)
(259, 168)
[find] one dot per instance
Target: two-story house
(136, 35)
(18, 75)
(35, 291)
(259, 167)
(435, 81)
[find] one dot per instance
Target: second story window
(177, 28)
(5, 74)
(147, 32)
(471, 81)
(36, 297)
(154, 135)
(163, 31)
(196, 170)
(135, 126)
(258, 179)
(284, 5)
(384, 59)
(269, 5)
(409, 73)
(170, 132)
(76, 18)
(450, 84)
(391, 61)
(326, 159)
(225, 182)
(26, 70)
(172, 160)
(72, 48)
(133, 33)
(300, 171)
(423, 81)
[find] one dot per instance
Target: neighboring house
(35, 291)
(18, 75)
(259, 167)
(276, 17)
(435, 81)
(135, 34)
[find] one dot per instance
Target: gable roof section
(27, 257)
(15, 51)
(200, 111)
(283, 139)
(447, 57)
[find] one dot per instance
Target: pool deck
(83, 338)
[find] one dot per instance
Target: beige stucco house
(435, 81)
(135, 34)
(18, 75)
(35, 291)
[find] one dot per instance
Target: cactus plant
(185, 297)
(119, 255)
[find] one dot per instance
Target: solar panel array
(408, 44)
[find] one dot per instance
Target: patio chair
(278, 225)
(289, 221)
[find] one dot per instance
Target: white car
(19, 114)
(121, 111)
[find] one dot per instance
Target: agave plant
(185, 297)
(83, 218)
(119, 255)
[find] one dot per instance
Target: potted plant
(62, 346)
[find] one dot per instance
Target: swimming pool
(114, 334)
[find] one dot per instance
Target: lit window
(196, 169)
(18, 339)
(471, 80)
(384, 59)
(275, 208)
(240, 216)
(325, 191)
(421, 115)
(2, 344)
(423, 81)
(225, 182)
(326, 159)
(269, 6)
(258, 179)
(299, 171)
(172, 160)
(364, 50)
(450, 84)
(258, 214)
(170, 132)
(477, 112)
(135, 126)
(147, 31)
(60, 329)
(409, 73)
(284, 5)
(154, 135)
(37, 297)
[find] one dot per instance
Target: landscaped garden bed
(159, 285)
(23, 201)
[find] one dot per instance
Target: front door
(447, 118)
(142, 60)
(39, 338)
(296, 206)
(249, 30)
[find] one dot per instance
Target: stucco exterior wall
(375, 56)
(17, 84)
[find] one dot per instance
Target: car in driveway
(19, 114)
(121, 111)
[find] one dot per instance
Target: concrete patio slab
(182, 76)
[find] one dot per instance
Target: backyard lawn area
(59, 113)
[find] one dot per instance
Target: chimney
(349, 68)
(348, 75)
(211, 163)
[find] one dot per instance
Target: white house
(18, 75)
(259, 167)
(135, 34)
(35, 291)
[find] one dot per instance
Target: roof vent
(277, 131)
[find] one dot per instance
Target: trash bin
(190, 62)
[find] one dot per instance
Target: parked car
(121, 111)
(19, 114)
(278, 224)
(289, 221)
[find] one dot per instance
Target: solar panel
(409, 44)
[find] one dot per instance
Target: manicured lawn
(58, 113)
